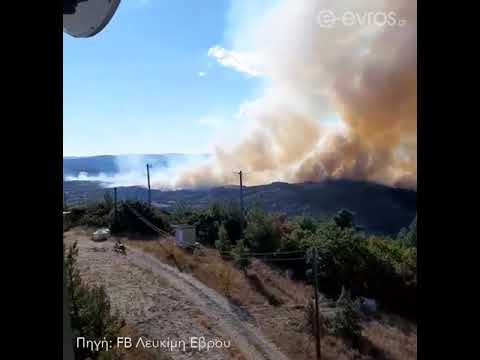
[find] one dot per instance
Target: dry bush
(282, 324)
(258, 284)
(226, 278)
(295, 292)
(310, 323)
(208, 267)
(395, 337)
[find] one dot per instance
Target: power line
(161, 232)
(279, 253)
(231, 255)
(273, 259)
(270, 253)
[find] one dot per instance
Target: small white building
(185, 235)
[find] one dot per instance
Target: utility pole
(148, 179)
(115, 203)
(64, 201)
(240, 173)
(317, 322)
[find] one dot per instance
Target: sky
(263, 85)
(152, 81)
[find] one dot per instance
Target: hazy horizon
(263, 87)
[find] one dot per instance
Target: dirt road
(163, 303)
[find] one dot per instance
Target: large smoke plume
(338, 102)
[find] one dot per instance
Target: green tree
(343, 256)
(128, 222)
(108, 201)
(408, 236)
(263, 233)
(344, 218)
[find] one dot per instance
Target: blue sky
(146, 83)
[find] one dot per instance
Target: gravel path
(163, 303)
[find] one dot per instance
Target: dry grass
(394, 336)
(233, 351)
(387, 337)
(208, 267)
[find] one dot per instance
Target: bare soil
(162, 303)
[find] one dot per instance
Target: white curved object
(101, 235)
(89, 18)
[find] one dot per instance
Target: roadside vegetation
(352, 264)
(371, 266)
(92, 317)
(119, 221)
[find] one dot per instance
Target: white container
(185, 235)
(101, 235)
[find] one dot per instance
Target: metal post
(317, 322)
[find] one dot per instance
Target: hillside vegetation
(377, 267)
(379, 209)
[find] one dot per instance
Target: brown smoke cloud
(365, 75)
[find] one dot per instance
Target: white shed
(185, 235)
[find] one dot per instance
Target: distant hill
(111, 165)
(380, 209)
(94, 165)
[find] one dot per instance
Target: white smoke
(338, 102)
(131, 170)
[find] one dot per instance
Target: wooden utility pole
(115, 203)
(317, 322)
(240, 173)
(148, 179)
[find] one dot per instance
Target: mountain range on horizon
(378, 208)
(111, 165)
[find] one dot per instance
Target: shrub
(127, 222)
(293, 241)
(182, 214)
(307, 224)
(97, 214)
(101, 214)
(240, 255)
(223, 244)
(90, 310)
(226, 280)
(346, 322)
(393, 275)
(370, 266)
(344, 219)
(374, 266)
(232, 220)
(309, 314)
(408, 236)
(208, 221)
